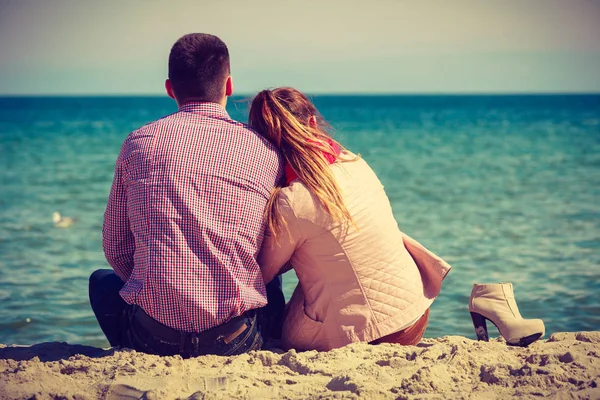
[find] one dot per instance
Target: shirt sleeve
(117, 238)
(276, 252)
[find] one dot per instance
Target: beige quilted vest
(355, 284)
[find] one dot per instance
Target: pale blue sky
(333, 46)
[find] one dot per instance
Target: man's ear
(229, 86)
(169, 89)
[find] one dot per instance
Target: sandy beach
(565, 366)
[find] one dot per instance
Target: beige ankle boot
(496, 303)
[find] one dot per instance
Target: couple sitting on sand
(206, 213)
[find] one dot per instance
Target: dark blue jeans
(128, 326)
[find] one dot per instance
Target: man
(184, 221)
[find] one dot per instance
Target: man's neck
(222, 103)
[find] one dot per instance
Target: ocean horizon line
(318, 94)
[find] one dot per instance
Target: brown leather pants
(410, 336)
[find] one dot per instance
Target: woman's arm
(278, 249)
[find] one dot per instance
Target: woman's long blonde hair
(282, 115)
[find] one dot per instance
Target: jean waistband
(226, 332)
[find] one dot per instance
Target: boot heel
(480, 326)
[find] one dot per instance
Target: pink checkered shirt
(184, 221)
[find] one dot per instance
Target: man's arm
(277, 250)
(117, 239)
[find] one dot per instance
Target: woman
(360, 278)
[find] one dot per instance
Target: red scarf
(290, 174)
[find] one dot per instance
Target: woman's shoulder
(299, 199)
(350, 160)
(352, 169)
(347, 155)
(295, 193)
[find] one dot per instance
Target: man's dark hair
(198, 67)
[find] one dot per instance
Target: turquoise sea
(505, 188)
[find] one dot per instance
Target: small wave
(4, 295)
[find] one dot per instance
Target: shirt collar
(205, 108)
